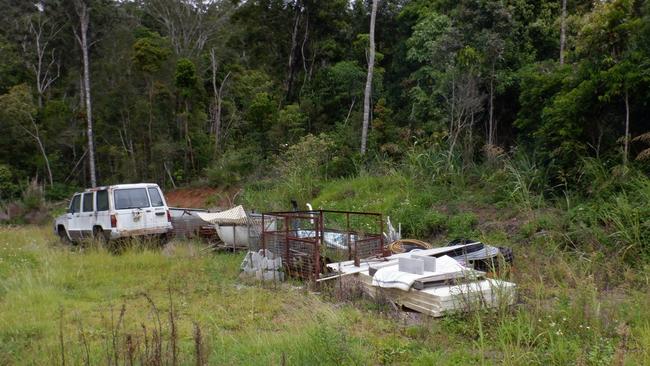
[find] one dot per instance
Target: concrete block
(429, 262)
(409, 265)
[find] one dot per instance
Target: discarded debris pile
(187, 224)
(236, 228)
(481, 256)
(416, 276)
(433, 281)
(264, 265)
(307, 239)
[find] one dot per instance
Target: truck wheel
(163, 239)
(63, 236)
(100, 235)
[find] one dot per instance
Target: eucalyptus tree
(190, 24)
(17, 111)
(41, 55)
(81, 33)
(368, 90)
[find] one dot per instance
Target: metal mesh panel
(303, 241)
(302, 259)
(369, 247)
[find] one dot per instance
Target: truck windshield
(131, 198)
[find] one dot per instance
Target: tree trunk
(563, 32)
(150, 124)
(84, 20)
(491, 126)
(188, 138)
(452, 118)
(627, 128)
(302, 52)
(217, 100)
(368, 91)
(294, 46)
(37, 137)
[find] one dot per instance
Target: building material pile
(433, 281)
(263, 265)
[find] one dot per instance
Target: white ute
(113, 212)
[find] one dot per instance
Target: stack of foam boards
(444, 286)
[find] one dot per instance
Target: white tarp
(235, 215)
(392, 277)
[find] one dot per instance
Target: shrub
(8, 189)
(419, 222)
(231, 168)
(462, 225)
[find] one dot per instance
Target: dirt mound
(203, 197)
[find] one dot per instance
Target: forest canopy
(218, 89)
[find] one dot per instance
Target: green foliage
(8, 187)
(185, 76)
(429, 39)
(231, 168)
(150, 50)
(289, 127)
(462, 225)
(12, 70)
(17, 106)
(297, 174)
(60, 192)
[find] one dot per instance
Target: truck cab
(113, 212)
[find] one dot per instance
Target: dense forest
(175, 91)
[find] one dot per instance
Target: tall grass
(584, 303)
(525, 183)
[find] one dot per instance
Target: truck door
(73, 217)
(130, 206)
(87, 216)
(157, 215)
(102, 216)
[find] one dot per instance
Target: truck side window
(156, 200)
(75, 206)
(131, 198)
(88, 202)
(102, 200)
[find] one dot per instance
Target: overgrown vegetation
(605, 210)
(181, 303)
(480, 129)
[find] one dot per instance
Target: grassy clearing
(580, 265)
(49, 292)
(569, 312)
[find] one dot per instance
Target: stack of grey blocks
(263, 265)
(417, 264)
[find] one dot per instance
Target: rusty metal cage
(307, 239)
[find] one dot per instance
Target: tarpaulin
(235, 215)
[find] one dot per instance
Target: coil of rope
(406, 245)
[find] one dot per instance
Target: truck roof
(117, 186)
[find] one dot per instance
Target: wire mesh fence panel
(306, 239)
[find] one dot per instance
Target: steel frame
(307, 264)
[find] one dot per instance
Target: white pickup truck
(113, 212)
